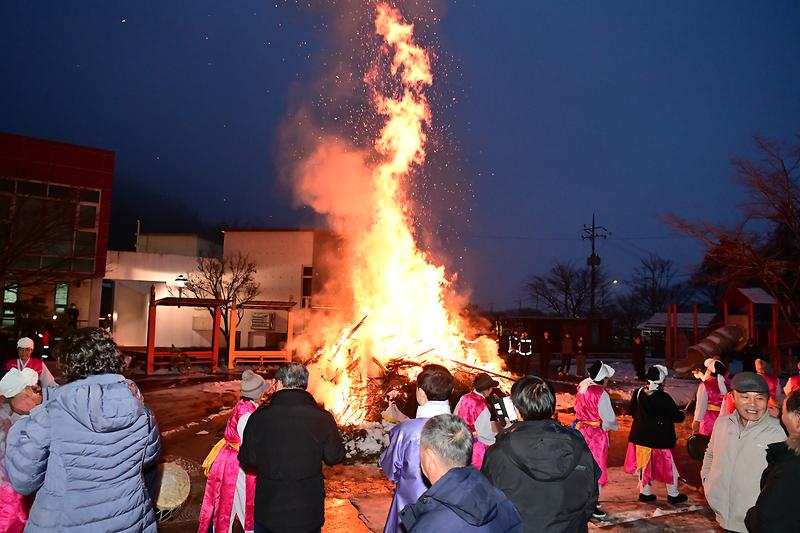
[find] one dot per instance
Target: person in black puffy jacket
(774, 511)
(652, 437)
(545, 469)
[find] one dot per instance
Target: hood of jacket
(101, 403)
(543, 449)
(793, 443)
(787, 449)
(467, 493)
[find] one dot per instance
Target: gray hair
(449, 438)
(293, 376)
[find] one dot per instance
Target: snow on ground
(365, 442)
(185, 404)
(194, 423)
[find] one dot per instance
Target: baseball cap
(749, 382)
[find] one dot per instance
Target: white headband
(15, 381)
(662, 374)
(604, 372)
(711, 365)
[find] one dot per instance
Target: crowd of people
(76, 456)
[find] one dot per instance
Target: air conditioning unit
(263, 321)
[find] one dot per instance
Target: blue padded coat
(83, 451)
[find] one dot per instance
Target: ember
(404, 306)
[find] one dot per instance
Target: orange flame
(395, 285)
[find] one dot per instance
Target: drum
(696, 446)
(174, 485)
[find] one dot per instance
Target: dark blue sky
(553, 111)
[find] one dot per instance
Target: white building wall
(133, 274)
(177, 244)
(279, 256)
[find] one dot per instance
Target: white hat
(25, 342)
(16, 380)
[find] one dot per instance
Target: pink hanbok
(590, 423)
(655, 464)
(13, 506)
(229, 490)
(714, 400)
(469, 408)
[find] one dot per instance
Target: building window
(87, 217)
(85, 243)
(62, 192)
(70, 213)
(90, 195)
(62, 294)
(83, 265)
(308, 275)
(8, 185)
(32, 188)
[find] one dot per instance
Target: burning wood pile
(362, 386)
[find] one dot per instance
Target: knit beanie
(253, 385)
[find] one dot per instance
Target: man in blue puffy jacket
(461, 498)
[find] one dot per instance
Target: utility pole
(593, 260)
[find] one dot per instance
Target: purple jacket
(400, 463)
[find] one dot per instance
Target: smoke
(328, 159)
(336, 182)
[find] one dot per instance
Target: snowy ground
(192, 410)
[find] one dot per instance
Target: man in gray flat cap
(737, 453)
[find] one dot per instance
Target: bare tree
(37, 241)
(564, 289)
(224, 279)
(627, 312)
(654, 286)
(765, 245)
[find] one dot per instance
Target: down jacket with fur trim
(775, 509)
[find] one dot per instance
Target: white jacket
(734, 460)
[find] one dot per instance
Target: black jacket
(462, 500)
(547, 472)
(654, 417)
(286, 442)
(776, 508)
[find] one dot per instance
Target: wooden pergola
(160, 356)
(261, 356)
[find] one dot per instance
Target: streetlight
(180, 281)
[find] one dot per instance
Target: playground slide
(720, 340)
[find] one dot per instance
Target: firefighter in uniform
(512, 345)
(525, 350)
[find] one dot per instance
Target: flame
(397, 288)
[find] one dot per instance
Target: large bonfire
(403, 306)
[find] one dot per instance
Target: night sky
(544, 113)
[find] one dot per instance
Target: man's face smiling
(751, 406)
